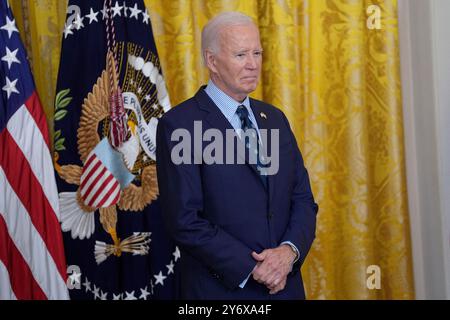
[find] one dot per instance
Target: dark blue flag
(109, 96)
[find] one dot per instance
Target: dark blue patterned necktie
(246, 124)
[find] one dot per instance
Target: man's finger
(260, 276)
(278, 288)
(257, 273)
(273, 281)
(275, 290)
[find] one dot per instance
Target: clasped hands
(273, 266)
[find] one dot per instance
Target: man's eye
(240, 55)
(257, 53)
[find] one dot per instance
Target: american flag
(32, 262)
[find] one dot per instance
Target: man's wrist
(293, 251)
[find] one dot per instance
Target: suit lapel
(265, 122)
(214, 116)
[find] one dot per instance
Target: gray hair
(211, 31)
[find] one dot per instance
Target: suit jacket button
(270, 215)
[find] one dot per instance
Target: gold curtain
(338, 83)
(40, 23)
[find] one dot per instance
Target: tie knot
(242, 112)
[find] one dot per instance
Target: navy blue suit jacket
(219, 213)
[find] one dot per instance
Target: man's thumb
(258, 257)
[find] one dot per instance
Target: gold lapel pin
(263, 115)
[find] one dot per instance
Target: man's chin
(250, 87)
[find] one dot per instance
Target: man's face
(236, 67)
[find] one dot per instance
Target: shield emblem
(103, 177)
(98, 186)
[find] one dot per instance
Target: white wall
(425, 64)
(441, 50)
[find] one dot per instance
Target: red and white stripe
(31, 251)
(98, 187)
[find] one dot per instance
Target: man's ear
(210, 60)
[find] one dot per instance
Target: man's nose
(251, 62)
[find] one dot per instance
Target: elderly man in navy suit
(244, 226)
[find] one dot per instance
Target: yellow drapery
(338, 83)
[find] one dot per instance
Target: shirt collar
(224, 102)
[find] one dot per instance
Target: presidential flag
(32, 263)
(110, 94)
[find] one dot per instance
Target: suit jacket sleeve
(302, 226)
(181, 196)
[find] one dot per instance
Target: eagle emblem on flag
(94, 179)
